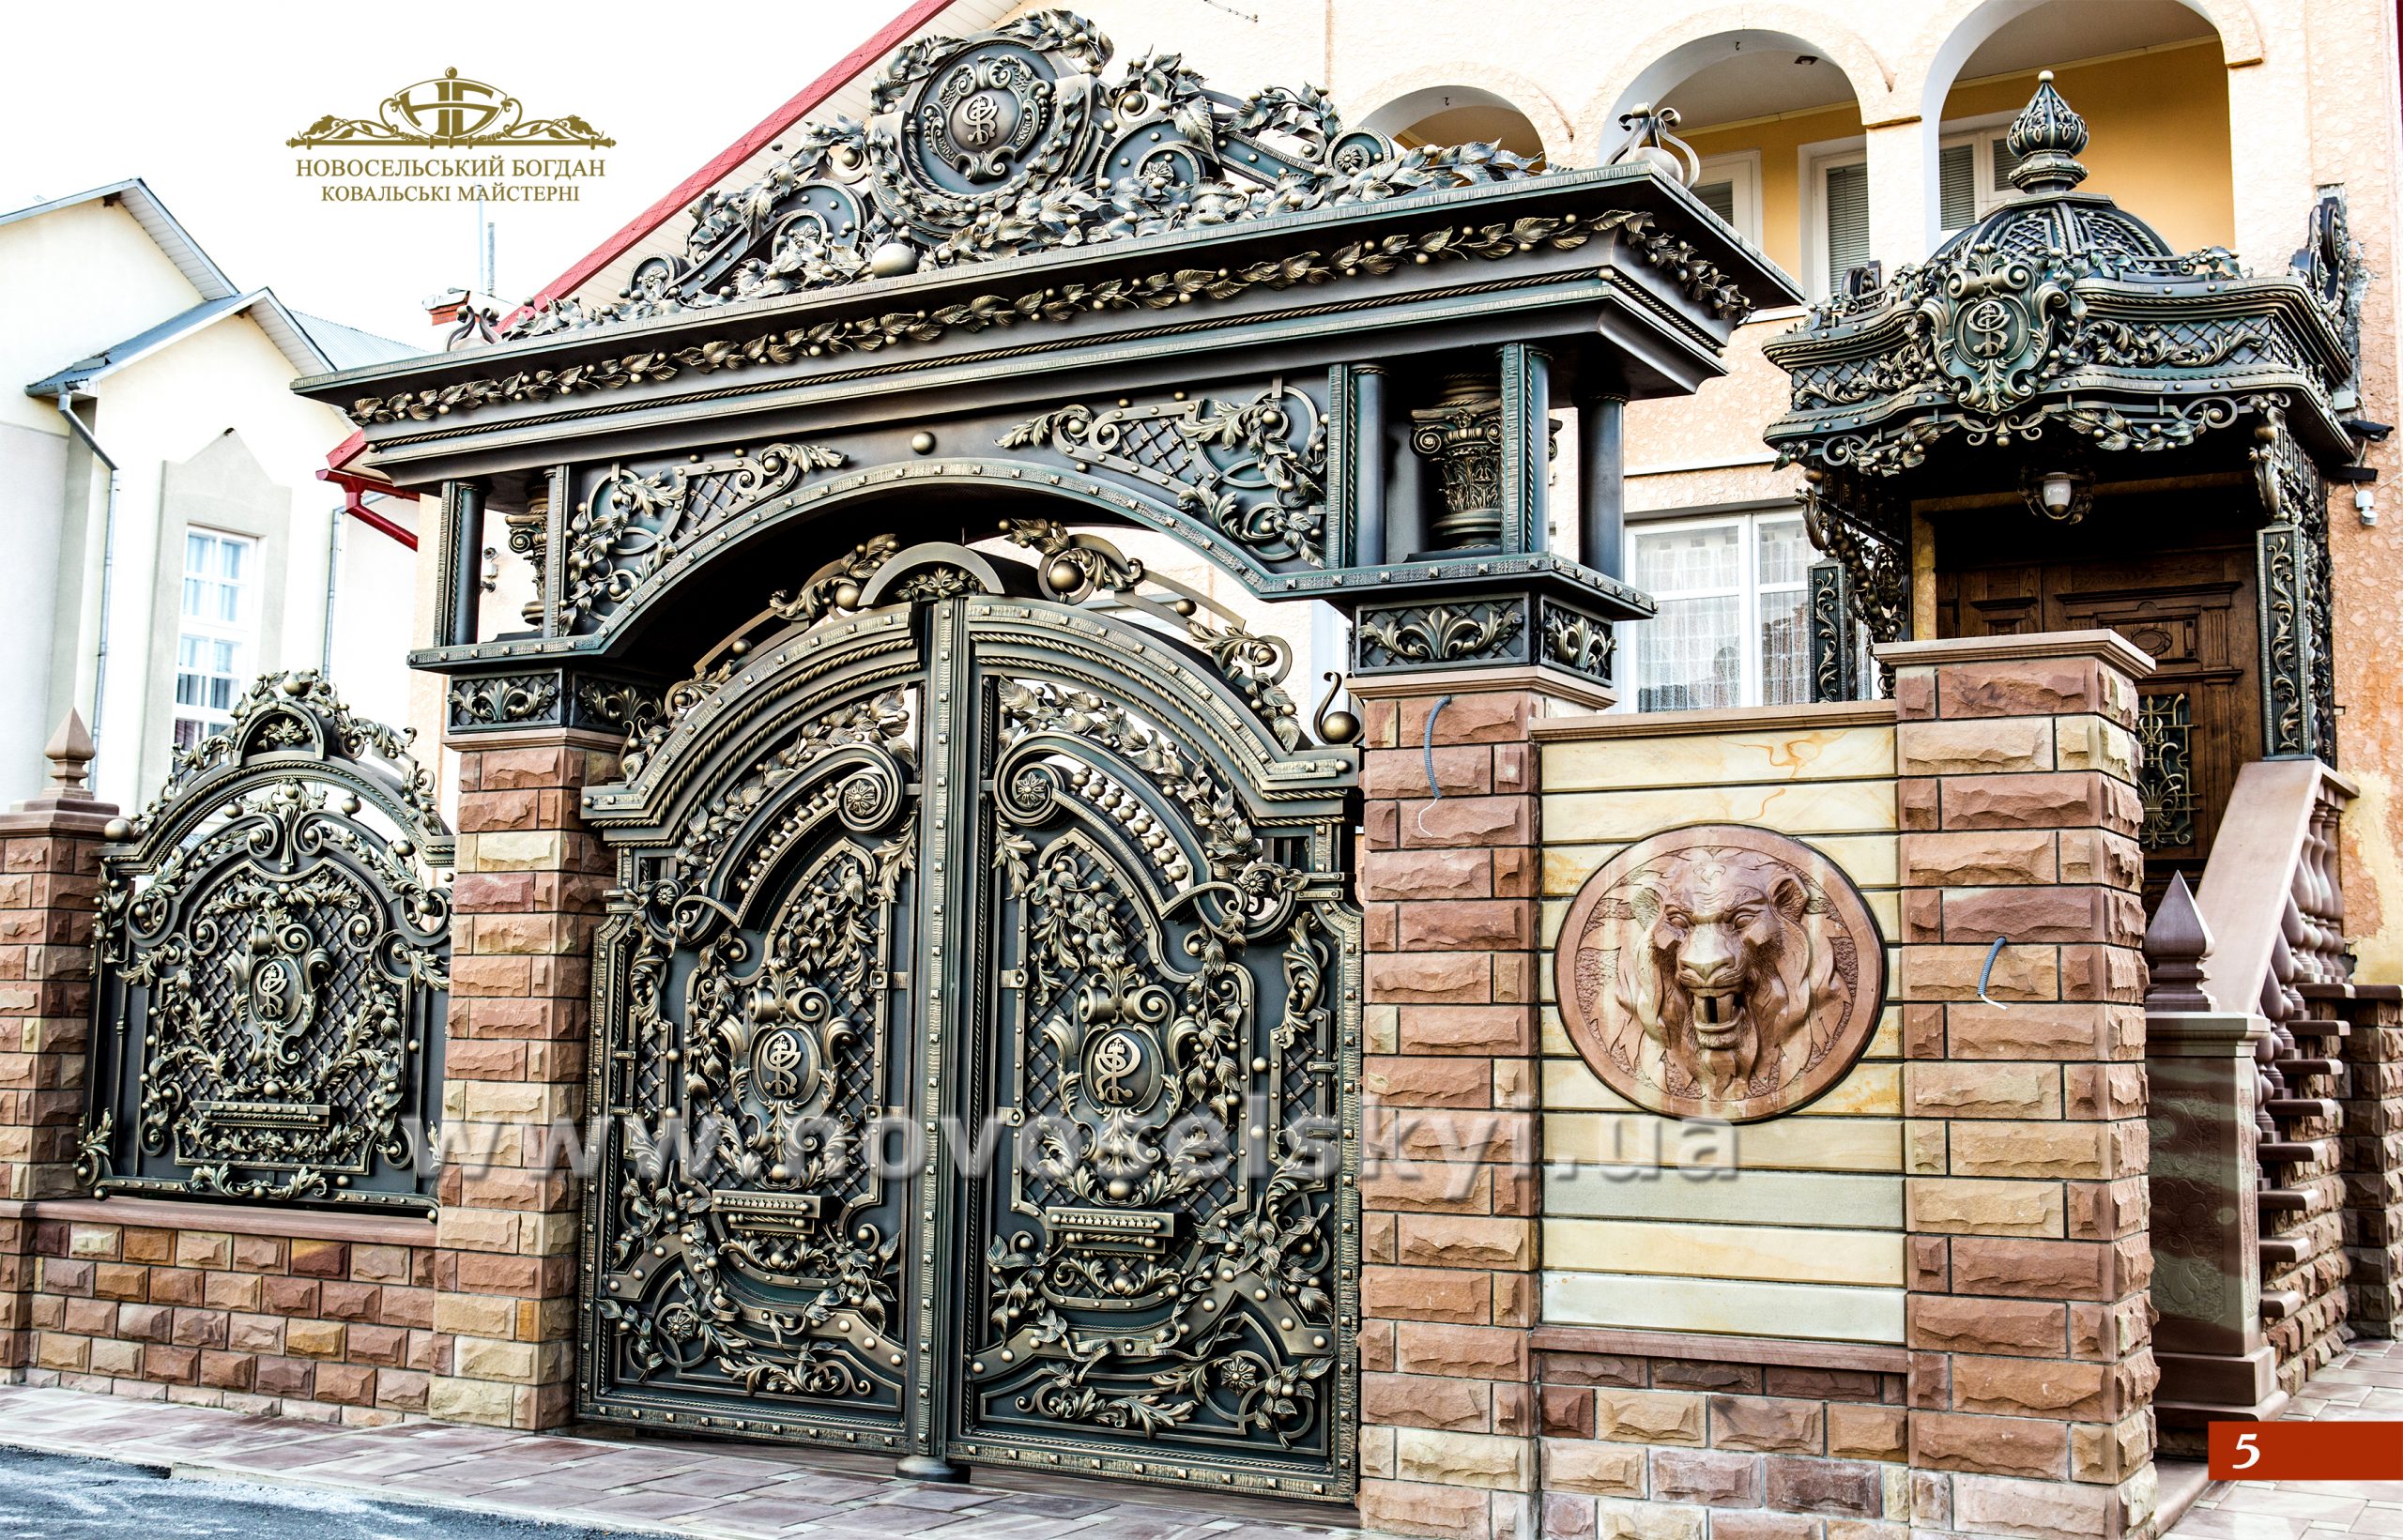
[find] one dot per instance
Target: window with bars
(1732, 628)
(218, 633)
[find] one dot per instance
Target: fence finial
(69, 750)
(2175, 944)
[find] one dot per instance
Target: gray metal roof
(281, 324)
(347, 347)
(159, 225)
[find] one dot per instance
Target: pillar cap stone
(2107, 646)
(66, 803)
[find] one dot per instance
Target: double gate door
(977, 1029)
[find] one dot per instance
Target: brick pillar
(2373, 1149)
(1448, 1185)
(49, 865)
(529, 891)
(2031, 1370)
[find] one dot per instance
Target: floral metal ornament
(955, 853)
(275, 947)
(2063, 329)
(1722, 971)
(1013, 141)
(1255, 470)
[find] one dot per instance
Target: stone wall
(261, 1310)
(2010, 1395)
(1787, 1227)
(49, 864)
(2031, 1373)
(527, 891)
(1448, 1200)
(2373, 1152)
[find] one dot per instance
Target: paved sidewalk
(2365, 1385)
(654, 1486)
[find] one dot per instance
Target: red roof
(680, 198)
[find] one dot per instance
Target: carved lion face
(1730, 970)
(1716, 973)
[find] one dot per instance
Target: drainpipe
(108, 571)
(333, 584)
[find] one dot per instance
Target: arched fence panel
(273, 968)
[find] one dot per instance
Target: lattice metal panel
(274, 951)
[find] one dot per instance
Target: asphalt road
(47, 1496)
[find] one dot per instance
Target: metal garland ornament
(273, 940)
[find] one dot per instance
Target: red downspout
(354, 502)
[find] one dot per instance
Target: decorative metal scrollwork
(2166, 778)
(1869, 539)
(633, 525)
(1255, 470)
(274, 946)
(2297, 585)
(1010, 142)
(1127, 1062)
(1442, 634)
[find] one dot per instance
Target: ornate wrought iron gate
(977, 1022)
(274, 939)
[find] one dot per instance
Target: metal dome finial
(2046, 137)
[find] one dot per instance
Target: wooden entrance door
(2188, 602)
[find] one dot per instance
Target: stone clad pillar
(2031, 1370)
(529, 892)
(50, 883)
(1450, 1161)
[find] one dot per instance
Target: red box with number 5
(2332, 1451)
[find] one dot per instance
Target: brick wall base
(1746, 1441)
(270, 1312)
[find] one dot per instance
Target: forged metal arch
(1119, 500)
(1106, 807)
(273, 943)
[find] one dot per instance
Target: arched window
(1777, 123)
(1459, 114)
(2149, 78)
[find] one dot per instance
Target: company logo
(452, 113)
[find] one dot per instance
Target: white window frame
(242, 631)
(1749, 683)
(1819, 159)
(1741, 170)
(1979, 133)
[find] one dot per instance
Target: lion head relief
(1717, 970)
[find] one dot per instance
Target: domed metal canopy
(2034, 349)
(2050, 215)
(2058, 310)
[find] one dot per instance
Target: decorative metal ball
(1338, 728)
(921, 442)
(117, 829)
(893, 259)
(846, 595)
(1062, 576)
(739, 645)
